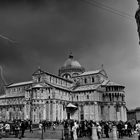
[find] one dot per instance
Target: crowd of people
(72, 128)
(15, 127)
(104, 128)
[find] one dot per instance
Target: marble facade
(91, 94)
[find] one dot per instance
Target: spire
(102, 66)
(70, 55)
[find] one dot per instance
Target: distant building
(134, 114)
(74, 94)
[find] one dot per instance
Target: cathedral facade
(73, 94)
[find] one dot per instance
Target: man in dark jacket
(22, 128)
(106, 130)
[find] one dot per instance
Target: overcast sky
(45, 32)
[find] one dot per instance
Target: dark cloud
(47, 30)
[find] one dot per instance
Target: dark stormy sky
(46, 31)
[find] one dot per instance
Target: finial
(70, 55)
(39, 68)
(102, 66)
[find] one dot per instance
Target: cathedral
(72, 94)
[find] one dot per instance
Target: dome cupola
(70, 68)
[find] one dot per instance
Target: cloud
(47, 30)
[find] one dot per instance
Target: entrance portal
(68, 115)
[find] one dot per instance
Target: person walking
(7, 128)
(106, 130)
(74, 130)
(138, 129)
(22, 128)
(99, 130)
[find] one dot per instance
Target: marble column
(112, 113)
(85, 112)
(125, 114)
(51, 111)
(96, 111)
(54, 111)
(58, 108)
(44, 112)
(49, 105)
(106, 112)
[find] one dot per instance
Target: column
(54, 111)
(25, 113)
(121, 113)
(118, 113)
(106, 113)
(59, 111)
(91, 113)
(111, 112)
(89, 104)
(125, 114)
(96, 111)
(85, 112)
(44, 111)
(61, 118)
(51, 111)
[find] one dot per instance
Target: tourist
(7, 128)
(16, 129)
(106, 130)
(74, 130)
(40, 125)
(30, 126)
(22, 128)
(99, 130)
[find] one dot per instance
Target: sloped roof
(110, 83)
(12, 95)
(71, 105)
(87, 87)
(20, 84)
(90, 72)
(38, 86)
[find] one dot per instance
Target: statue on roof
(137, 17)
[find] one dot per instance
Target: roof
(45, 85)
(12, 95)
(90, 72)
(87, 87)
(110, 83)
(71, 63)
(71, 105)
(20, 84)
(37, 86)
(58, 86)
(39, 71)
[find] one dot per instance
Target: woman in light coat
(74, 130)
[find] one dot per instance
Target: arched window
(85, 80)
(92, 79)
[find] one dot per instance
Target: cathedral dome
(70, 68)
(71, 63)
